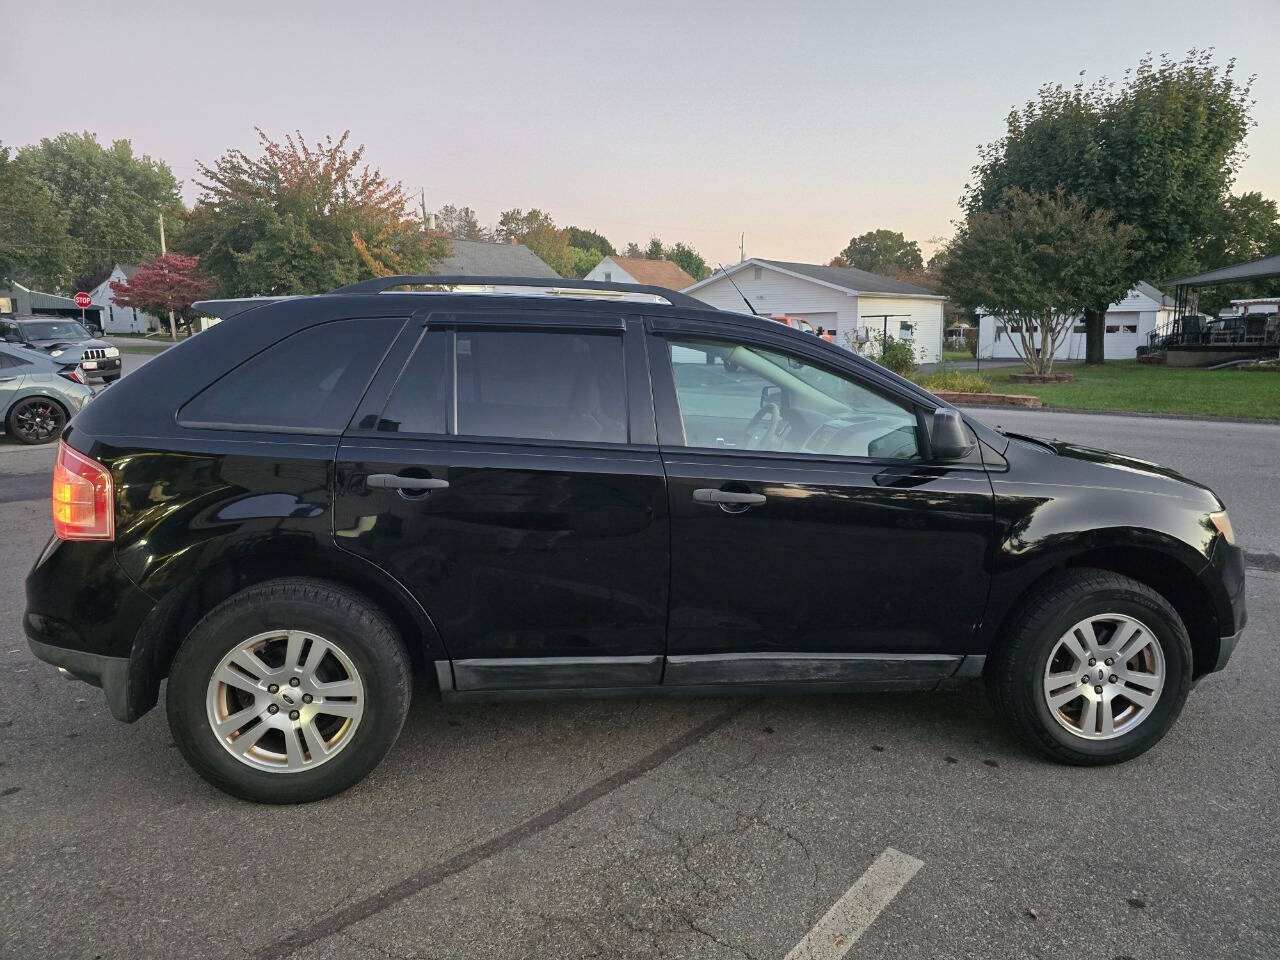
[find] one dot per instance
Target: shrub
(896, 355)
(954, 381)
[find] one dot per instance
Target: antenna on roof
(739, 289)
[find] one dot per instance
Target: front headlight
(1222, 523)
(113, 352)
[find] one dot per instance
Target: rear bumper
(109, 673)
(1226, 646)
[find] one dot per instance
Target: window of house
(740, 396)
(309, 382)
(1080, 328)
(757, 273)
(1113, 328)
(1130, 328)
(608, 276)
(541, 385)
(419, 402)
(905, 330)
(1000, 331)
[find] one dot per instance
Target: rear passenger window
(541, 385)
(419, 401)
(309, 382)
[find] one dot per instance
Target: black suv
(588, 490)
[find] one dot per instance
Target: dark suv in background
(604, 489)
(66, 341)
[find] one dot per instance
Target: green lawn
(951, 356)
(1126, 385)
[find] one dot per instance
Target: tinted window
(309, 382)
(739, 396)
(544, 386)
(54, 330)
(419, 401)
(9, 360)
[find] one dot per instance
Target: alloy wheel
(285, 701)
(1104, 676)
(37, 420)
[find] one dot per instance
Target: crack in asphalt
(430, 876)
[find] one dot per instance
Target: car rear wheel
(289, 691)
(1095, 670)
(37, 420)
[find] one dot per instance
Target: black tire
(111, 379)
(344, 618)
(48, 410)
(1015, 673)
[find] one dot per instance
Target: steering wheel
(757, 432)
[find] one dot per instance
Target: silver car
(65, 340)
(38, 394)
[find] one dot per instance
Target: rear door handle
(712, 495)
(389, 481)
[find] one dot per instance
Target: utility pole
(173, 327)
(742, 247)
(426, 224)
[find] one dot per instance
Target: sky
(797, 124)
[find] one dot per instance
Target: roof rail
(560, 285)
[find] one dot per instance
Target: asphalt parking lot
(886, 826)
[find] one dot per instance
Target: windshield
(53, 330)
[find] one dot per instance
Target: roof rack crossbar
(381, 284)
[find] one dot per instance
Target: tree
(585, 239)
(1035, 263)
(460, 223)
(1159, 151)
(537, 231)
(1248, 227)
(111, 200)
(681, 254)
(168, 284)
(303, 218)
(881, 251)
(36, 248)
(582, 261)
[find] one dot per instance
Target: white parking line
(847, 920)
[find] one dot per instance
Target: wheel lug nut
(293, 682)
(293, 714)
(1097, 689)
(1093, 662)
(272, 708)
(273, 688)
(306, 698)
(1112, 678)
(1110, 661)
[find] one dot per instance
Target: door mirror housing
(948, 437)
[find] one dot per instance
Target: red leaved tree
(171, 284)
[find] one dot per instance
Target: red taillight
(83, 504)
(73, 374)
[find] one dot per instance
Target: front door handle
(389, 481)
(732, 497)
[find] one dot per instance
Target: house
(658, 273)
(1128, 323)
(475, 258)
(854, 303)
(17, 300)
(118, 319)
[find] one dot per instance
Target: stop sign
(83, 300)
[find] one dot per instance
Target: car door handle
(389, 481)
(733, 497)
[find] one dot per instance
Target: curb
(1023, 401)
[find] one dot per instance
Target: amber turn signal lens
(83, 501)
(1222, 523)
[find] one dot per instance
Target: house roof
(844, 278)
(1148, 290)
(1251, 270)
(659, 273)
(475, 258)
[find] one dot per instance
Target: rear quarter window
(309, 382)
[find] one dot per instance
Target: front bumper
(101, 368)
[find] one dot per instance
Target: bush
(954, 381)
(896, 355)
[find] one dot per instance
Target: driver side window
(738, 396)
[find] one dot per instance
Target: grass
(1129, 386)
(951, 356)
(144, 346)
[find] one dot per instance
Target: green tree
(36, 248)
(882, 251)
(1248, 228)
(582, 261)
(112, 199)
(460, 223)
(537, 231)
(585, 239)
(681, 254)
(303, 218)
(1035, 263)
(1159, 151)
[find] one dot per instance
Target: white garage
(843, 299)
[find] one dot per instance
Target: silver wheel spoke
(339, 708)
(1083, 678)
(248, 660)
(234, 678)
(224, 728)
(338, 688)
(293, 748)
(293, 650)
(315, 742)
(241, 744)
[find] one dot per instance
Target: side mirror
(948, 437)
(770, 394)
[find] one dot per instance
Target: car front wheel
(289, 691)
(1095, 670)
(37, 420)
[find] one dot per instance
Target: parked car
(611, 490)
(38, 394)
(67, 341)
